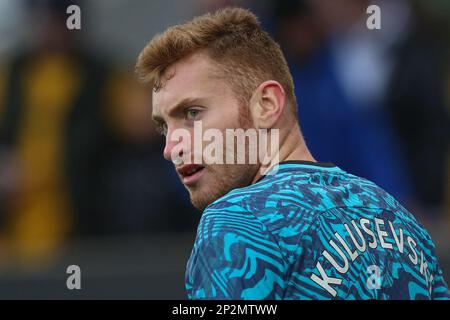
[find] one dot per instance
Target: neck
(294, 148)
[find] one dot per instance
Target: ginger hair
(244, 54)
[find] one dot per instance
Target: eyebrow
(175, 109)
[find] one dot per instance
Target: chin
(200, 203)
(205, 191)
(200, 199)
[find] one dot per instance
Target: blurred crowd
(79, 155)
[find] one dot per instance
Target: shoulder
(235, 256)
(276, 214)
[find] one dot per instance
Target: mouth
(190, 173)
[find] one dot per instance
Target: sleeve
(234, 257)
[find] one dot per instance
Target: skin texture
(209, 98)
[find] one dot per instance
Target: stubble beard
(219, 179)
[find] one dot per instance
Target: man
(301, 230)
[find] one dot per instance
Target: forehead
(193, 77)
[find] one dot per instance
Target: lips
(190, 173)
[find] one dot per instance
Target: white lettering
(325, 280)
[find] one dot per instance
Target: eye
(192, 113)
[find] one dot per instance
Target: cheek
(214, 174)
(226, 115)
(222, 175)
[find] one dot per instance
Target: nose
(173, 146)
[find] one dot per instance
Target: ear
(267, 104)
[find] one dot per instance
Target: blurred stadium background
(82, 178)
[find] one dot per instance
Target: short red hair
(234, 40)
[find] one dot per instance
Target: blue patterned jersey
(312, 231)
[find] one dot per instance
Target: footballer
(293, 229)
